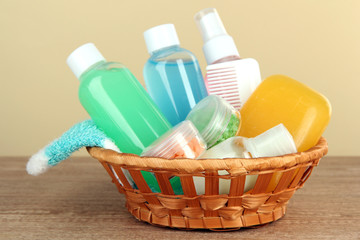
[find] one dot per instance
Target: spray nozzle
(217, 43)
(209, 24)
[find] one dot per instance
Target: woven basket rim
(233, 165)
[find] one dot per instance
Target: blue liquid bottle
(172, 74)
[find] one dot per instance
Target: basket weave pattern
(211, 210)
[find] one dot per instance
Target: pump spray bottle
(227, 75)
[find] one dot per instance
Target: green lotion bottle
(117, 102)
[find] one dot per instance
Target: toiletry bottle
(227, 75)
(172, 74)
(117, 102)
(276, 141)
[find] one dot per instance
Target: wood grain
(76, 200)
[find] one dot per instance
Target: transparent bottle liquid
(117, 102)
(172, 74)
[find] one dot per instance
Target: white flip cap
(276, 141)
(82, 58)
(217, 43)
(160, 37)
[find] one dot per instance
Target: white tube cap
(82, 58)
(217, 43)
(160, 37)
(276, 141)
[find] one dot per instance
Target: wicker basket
(211, 210)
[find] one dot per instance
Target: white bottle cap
(82, 58)
(276, 141)
(217, 43)
(160, 37)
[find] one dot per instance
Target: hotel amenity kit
(221, 152)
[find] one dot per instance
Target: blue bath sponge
(83, 134)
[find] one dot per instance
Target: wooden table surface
(76, 200)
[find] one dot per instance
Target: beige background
(316, 42)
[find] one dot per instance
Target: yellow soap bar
(281, 99)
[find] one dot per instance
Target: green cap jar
(215, 119)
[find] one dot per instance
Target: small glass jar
(182, 141)
(215, 119)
